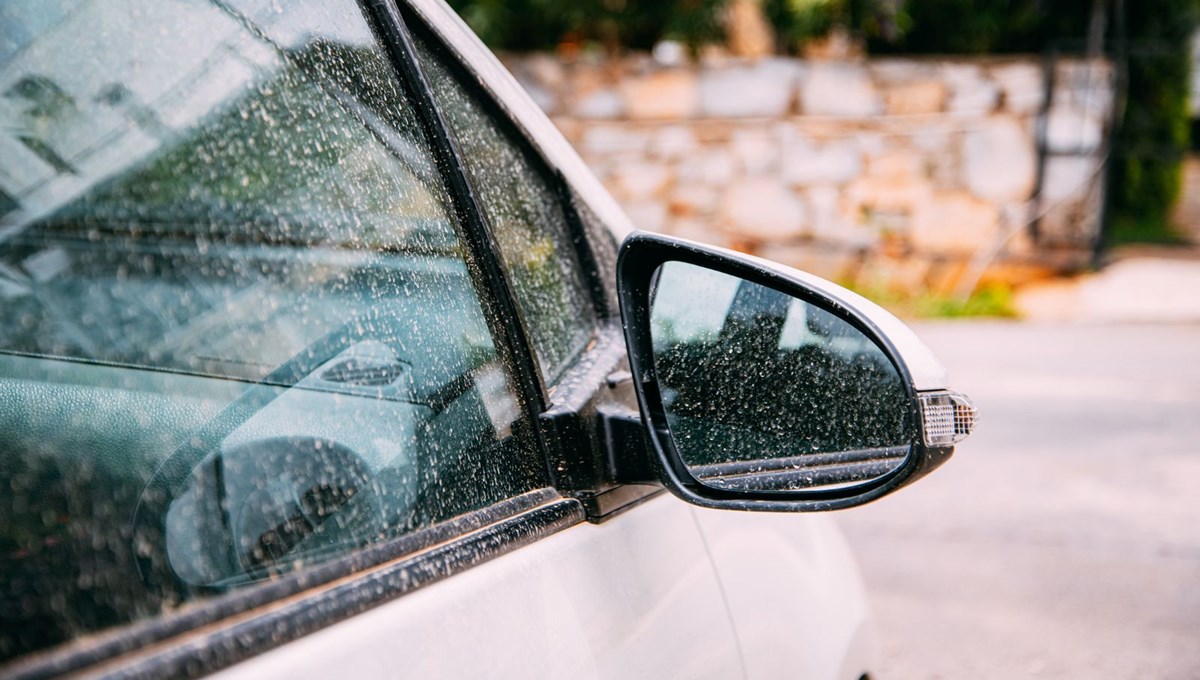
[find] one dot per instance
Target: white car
(319, 358)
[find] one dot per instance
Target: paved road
(1063, 539)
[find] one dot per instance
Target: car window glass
(238, 333)
(526, 217)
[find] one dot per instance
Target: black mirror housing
(859, 434)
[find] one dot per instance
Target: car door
(276, 353)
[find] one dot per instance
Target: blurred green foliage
(1130, 228)
(1155, 134)
(796, 22)
(522, 25)
(993, 300)
(973, 26)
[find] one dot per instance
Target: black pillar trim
(503, 315)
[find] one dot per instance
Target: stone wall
(909, 173)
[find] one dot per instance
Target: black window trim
(563, 450)
(482, 252)
(573, 459)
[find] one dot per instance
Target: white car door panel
(633, 597)
(794, 592)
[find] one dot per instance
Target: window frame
(495, 292)
(600, 290)
(576, 465)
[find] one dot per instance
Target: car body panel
(794, 592)
(634, 597)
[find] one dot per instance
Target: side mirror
(765, 388)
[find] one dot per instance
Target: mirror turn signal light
(947, 417)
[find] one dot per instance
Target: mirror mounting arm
(628, 451)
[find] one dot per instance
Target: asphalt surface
(1063, 538)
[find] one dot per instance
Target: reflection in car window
(237, 331)
(527, 220)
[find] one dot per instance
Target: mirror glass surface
(766, 392)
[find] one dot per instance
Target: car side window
(238, 331)
(526, 215)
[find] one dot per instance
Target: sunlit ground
(1063, 539)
